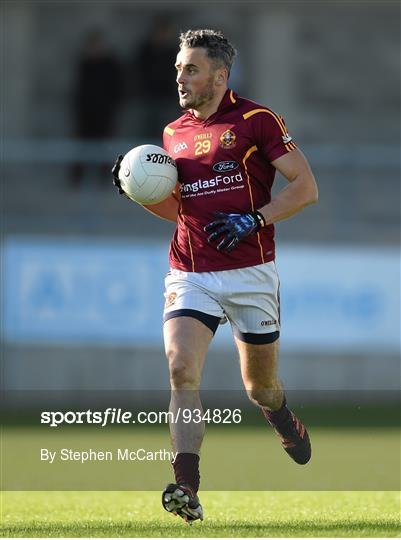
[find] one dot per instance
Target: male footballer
(227, 151)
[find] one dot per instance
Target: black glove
(115, 170)
(233, 227)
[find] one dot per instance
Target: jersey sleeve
(272, 137)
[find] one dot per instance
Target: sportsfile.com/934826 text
(115, 416)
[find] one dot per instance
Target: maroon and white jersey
(224, 165)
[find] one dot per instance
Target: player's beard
(199, 100)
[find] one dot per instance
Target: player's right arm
(167, 209)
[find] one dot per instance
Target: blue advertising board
(90, 292)
(344, 299)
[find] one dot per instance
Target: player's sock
(293, 434)
(186, 470)
(279, 416)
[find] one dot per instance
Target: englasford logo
(217, 181)
(223, 166)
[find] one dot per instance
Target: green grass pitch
(227, 514)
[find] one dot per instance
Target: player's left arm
(300, 192)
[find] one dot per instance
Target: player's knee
(263, 396)
(183, 373)
(183, 376)
(256, 395)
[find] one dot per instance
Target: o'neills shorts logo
(218, 181)
(228, 139)
(224, 166)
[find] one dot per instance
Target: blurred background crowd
(83, 267)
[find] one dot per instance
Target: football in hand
(148, 175)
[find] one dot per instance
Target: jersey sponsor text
(217, 181)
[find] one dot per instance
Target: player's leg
(186, 342)
(191, 317)
(259, 366)
(252, 307)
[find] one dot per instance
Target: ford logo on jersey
(223, 166)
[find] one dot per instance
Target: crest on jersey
(228, 139)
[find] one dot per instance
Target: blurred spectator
(154, 83)
(97, 95)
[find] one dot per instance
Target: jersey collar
(228, 101)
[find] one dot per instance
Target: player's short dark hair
(217, 46)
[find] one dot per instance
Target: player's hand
(233, 228)
(114, 171)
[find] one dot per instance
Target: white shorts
(247, 297)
